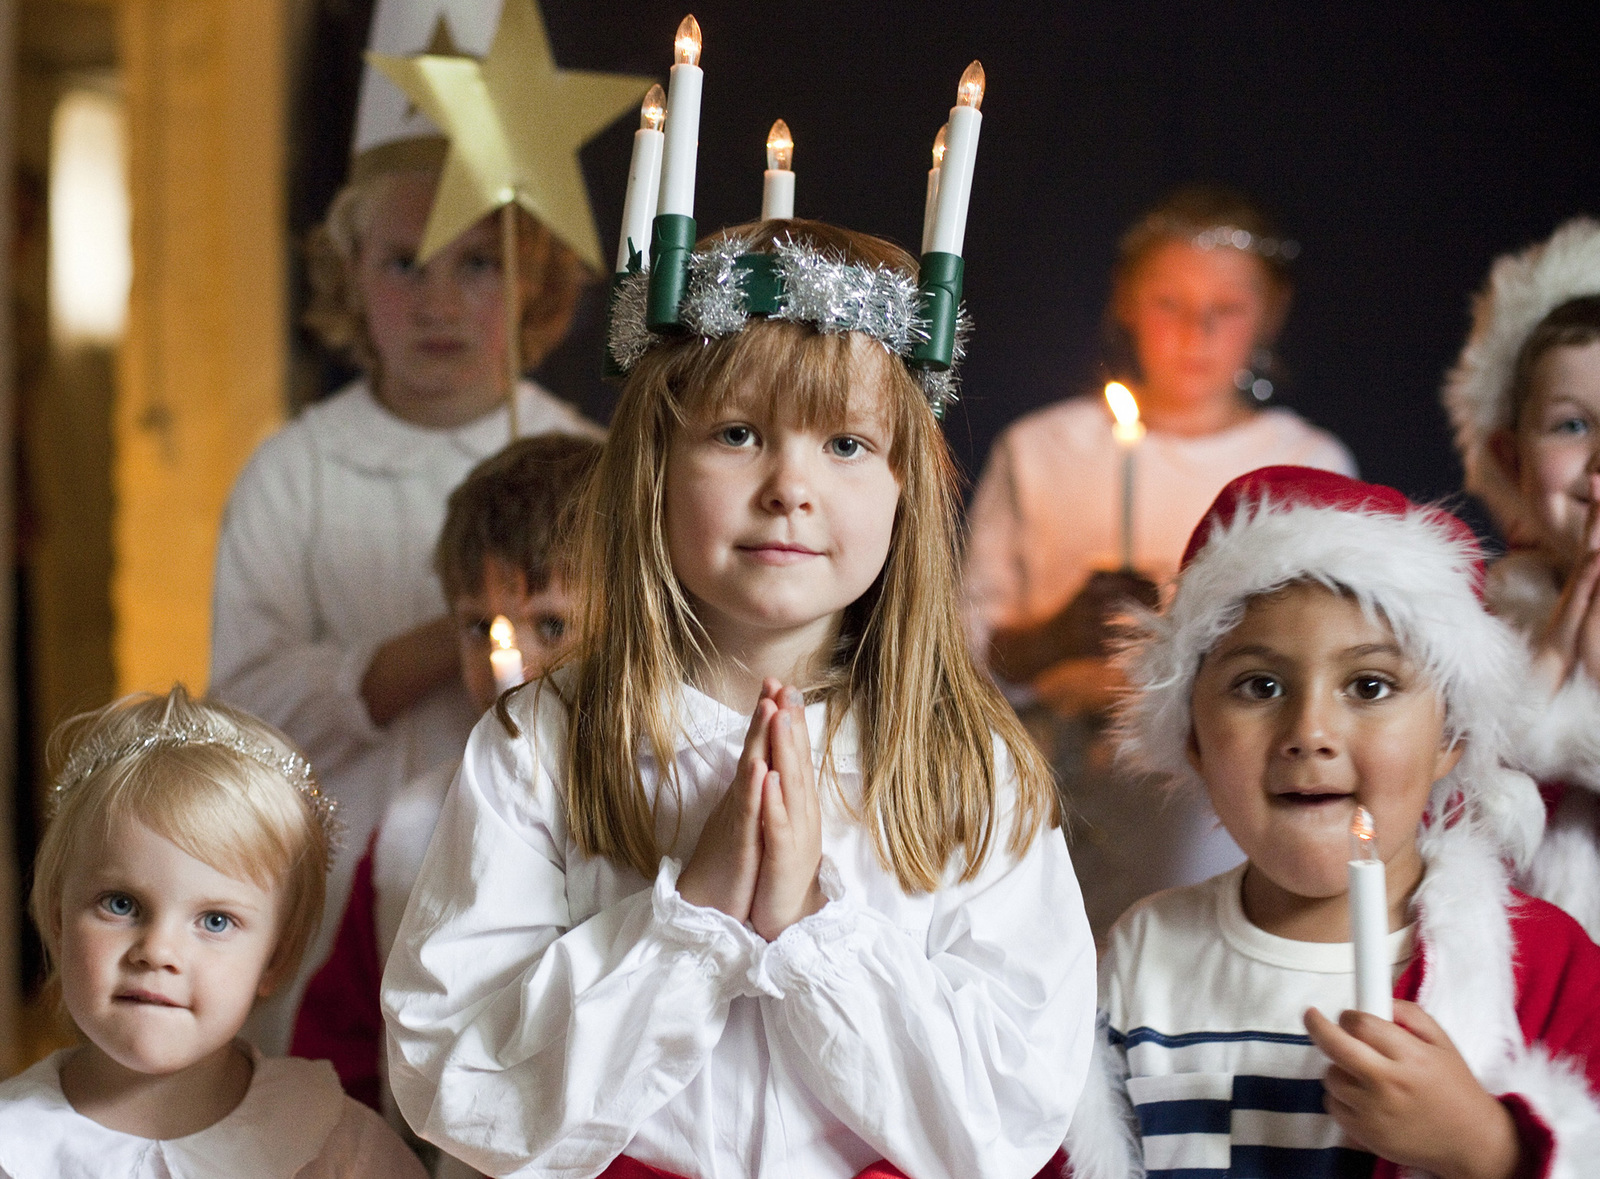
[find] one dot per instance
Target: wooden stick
(511, 296)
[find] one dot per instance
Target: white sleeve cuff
(729, 950)
(816, 946)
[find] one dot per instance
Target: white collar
(287, 1114)
(706, 721)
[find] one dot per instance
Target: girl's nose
(156, 948)
(789, 486)
(1309, 730)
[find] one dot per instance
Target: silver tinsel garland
(819, 289)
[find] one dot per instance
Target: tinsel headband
(795, 284)
(92, 757)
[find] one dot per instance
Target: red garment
(340, 1019)
(1557, 973)
(625, 1168)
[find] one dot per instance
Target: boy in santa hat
(1325, 648)
(1525, 400)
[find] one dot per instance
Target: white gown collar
(290, 1109)
(707, 721)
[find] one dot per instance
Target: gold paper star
(515, 123)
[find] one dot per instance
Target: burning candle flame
(653, 111)
(502, 634)
(938, 145)
(686, 46)
(1125, 410)
(969, 91)
(780, 147)
(1363, 836)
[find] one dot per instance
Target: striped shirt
(1208, 1009)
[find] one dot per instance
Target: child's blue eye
(736, 435)
(1370, 687)
(119, 904)
(844, 446)
(1259, 687)
(1570, 426)
(552, 629)
(216, 922)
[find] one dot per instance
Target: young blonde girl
(759, 884)
(181, 879)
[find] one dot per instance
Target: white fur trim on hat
(1522, 289)
(1412, 571)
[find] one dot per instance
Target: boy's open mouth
(1311, 798)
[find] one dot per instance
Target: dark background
(1402, 145)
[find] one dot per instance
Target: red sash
(625, 1168)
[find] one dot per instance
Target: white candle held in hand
(955, 171)
(503, 654)
(930, 204)
(682, 143)
(644, 181)
(1369, 919)
(1127, 429)
(777, 184)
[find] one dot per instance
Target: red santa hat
(1418, 568)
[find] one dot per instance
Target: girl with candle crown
(1200, 288)
(1325, 650)
(1525, 400)
(754, 885)
(179, 880)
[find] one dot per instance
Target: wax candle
(503, 654)
(777, 182)
(930, 204)
(955, 171)
(1127, 429)
(682, 143)
(1369, 919)
(644, 181)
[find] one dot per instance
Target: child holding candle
(502, 553)
(327, 619)
(755, 885)
(179, 880)
(1325, 651)
(1525, 400)
(1200, 289)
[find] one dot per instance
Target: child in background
(180, 879)
(1325, 648)
(1200, 290)
(1525, 400)
(501, 552)
(757, 885)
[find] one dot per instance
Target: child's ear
(1191, 749)
(1503, 450)
(273, 974)
(1449, 756)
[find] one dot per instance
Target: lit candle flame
(686, 46)
(938, 146)
(969, 91)
(1363, 836)
(502, 634)
(780, 147)
(653, 111)
(1128, 427)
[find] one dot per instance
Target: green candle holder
(671, 243)
(939, 280)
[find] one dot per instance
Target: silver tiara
(1232, 237)
(92, 757)
(796, 284)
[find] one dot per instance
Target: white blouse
(326, 553)
(294, 1123)
(549, 1011)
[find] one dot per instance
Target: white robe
(326, 553)
(294, 1123)
(548, 1011)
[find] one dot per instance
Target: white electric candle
(504, 656)
(955, 173)
(777, 182)
(1127, 429)
(644, 180)
(931, 202)
(1369, 919)
(682, 144)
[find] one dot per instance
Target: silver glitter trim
(92, 757)
(820, 289)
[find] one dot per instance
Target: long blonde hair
(928, 718)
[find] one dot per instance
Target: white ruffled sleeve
(961, 1056)
(522, 1035)
(269, 650)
